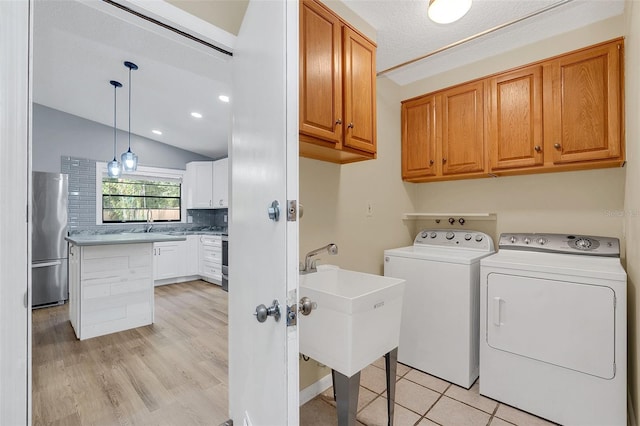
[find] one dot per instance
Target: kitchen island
(111, 281)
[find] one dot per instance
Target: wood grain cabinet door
(583, 105)
(419, 138)
(359, 92)
(514, 115)
(320, 110)
(462, 121)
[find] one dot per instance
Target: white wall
(56, 133)
(632, 194)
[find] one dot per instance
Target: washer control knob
(450, 235)
(479, 238)
(467, 237)
(513, 239)
(424, 234)
(433, 235)
(542, 241)
(526, 240)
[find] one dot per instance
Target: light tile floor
(421, 400)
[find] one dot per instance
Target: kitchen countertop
(125, 238)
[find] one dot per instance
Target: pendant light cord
(129, 108)
(115, 88)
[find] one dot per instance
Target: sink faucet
(310, 263)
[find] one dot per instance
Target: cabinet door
(514, 110)
(463, 129)
(221, 183)
(359, 92)
(583, 105)
(199, 185)
(419, 138)
(169, 260)
(320, 110)
(193, 255)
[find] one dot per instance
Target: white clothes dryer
(440, 328)
(554, 327)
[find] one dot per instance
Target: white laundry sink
(356, 321)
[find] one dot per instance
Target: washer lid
(608, 268)
(439, 254)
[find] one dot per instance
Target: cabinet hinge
(614, 369)
(292, 210)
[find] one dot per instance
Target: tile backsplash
(82, 204)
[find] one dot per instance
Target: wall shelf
(445, 216)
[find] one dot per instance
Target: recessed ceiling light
(196, 115)
(157, 132)
(223, 98)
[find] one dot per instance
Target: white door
(263, 254)
(15, 314)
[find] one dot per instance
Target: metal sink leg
(346, 391)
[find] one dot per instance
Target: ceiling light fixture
(223, 98)
(129, 159)
(196, 115)
(113, 168)
(447, 11)
(157, 132)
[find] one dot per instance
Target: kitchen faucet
(310, 263)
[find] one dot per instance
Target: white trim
(315, 389)
(171, 15)
(143, 171)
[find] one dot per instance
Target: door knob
(556, 145)
(262, 312)
(274, 211)
(306, 306)
(350, 125)
(537, 148)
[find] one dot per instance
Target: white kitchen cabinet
(198, 185)
(169, 260)
(211, 258)
(221, 183)
(192, 252)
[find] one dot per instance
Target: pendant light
(113, 168)
(129, 159)
(447, 11)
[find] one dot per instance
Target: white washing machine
(440, 328)
(554, 327)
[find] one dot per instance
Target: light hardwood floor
(174, 372)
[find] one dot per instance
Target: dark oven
(225, 262)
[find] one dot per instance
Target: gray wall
(57, 134)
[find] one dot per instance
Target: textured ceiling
(404, 32)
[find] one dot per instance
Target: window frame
(142, 173)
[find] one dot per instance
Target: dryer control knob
(450, 235)
(433, 235)
(467, 237)
(526, 240)
(424, 234)
(513, 240)
(479, 238)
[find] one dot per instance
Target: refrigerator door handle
(46, 264)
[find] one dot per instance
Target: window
(137, 200)
(147, 195)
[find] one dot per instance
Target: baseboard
(631, 417)
(315, 389)
(158, 283)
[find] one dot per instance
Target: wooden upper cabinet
(463, 129)
(514, 118)
(337, 111)
(359, 92)
(320, 110)
(583, 105)
(419, 138)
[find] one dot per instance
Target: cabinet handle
(158, 251)
(338, 121)
(431, 162)
(537, 148)
(220, 201)
(154, 252)
(556, 145)
(350, 125)
(444, 160)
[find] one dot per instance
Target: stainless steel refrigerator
(49, 268)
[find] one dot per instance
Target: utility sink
(356, 321)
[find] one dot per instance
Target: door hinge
(292, 210)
